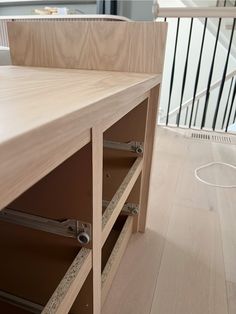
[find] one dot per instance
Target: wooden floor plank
(226, 199)
(180, 268)
(231, 292)
(190, 192)
(191, 278)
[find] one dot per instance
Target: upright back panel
(91, 45)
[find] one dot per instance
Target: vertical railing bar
(234, 116)
(113, 7)
(231, 107)
(165, 19)
(186, 116)
(198, 71)
(185, 72)
(196, 113)
(223, 78)
(172, 71)
(227, 103)
(210, 76)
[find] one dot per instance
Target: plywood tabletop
(43, 111)
(33, 97)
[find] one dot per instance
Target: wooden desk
(65, 154)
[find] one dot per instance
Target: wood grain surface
(97, 165)
(72, 81)
(119, 46)
(49, 113)
(151, 124)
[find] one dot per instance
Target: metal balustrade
(199, 111)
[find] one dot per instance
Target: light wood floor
(185, 263)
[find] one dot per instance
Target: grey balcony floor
(185, 263)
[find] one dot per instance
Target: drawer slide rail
(71, 228)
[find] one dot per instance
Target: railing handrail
(199, 95)
(68, 16)
(199, 12)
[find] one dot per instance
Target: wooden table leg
(97, 160)
(148, 152)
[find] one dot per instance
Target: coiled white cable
(213, 184)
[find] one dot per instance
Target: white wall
(136, 9)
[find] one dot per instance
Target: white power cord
(213, 184)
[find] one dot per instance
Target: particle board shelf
(70, 285)
(64, 295)
(115, 257)
(72, 88)
(68, 289)
(116, 204)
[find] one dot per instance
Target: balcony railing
(199, 84)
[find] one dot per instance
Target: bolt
(83, 238)
(135, 211)
(139, 150)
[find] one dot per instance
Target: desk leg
(97, 160)
(151, 123)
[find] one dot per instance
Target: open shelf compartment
(43, 268)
